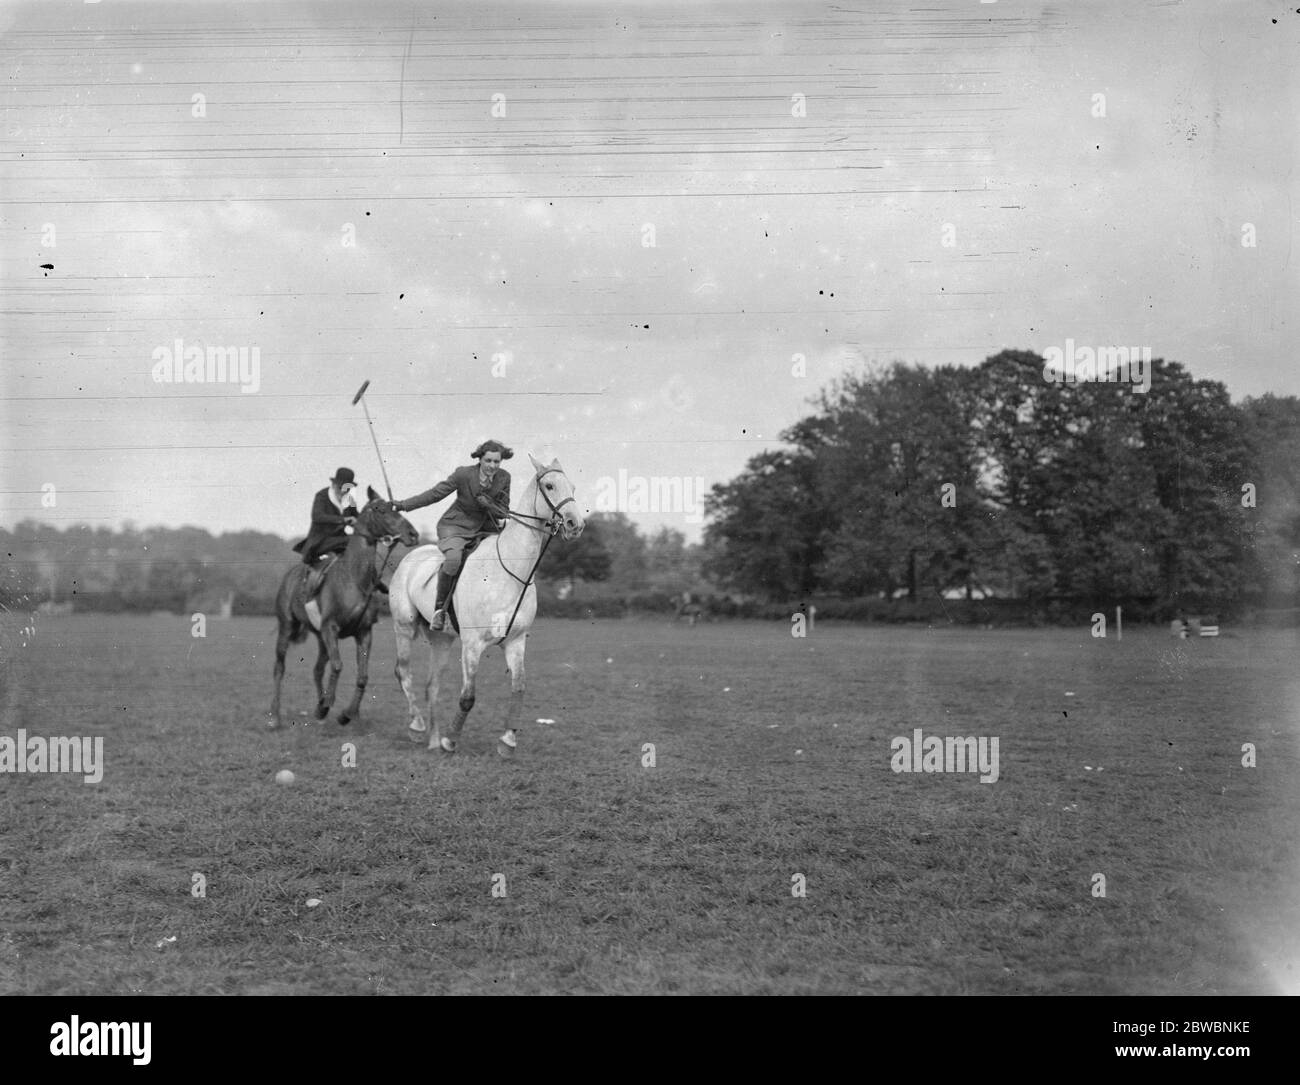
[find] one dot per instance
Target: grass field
(772, 759)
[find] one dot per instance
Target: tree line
(189, 569)
(994, 481)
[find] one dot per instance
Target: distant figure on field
(687, 609)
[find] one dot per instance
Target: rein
(389, 542)
(553, 523)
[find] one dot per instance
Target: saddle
(317, 571)
(320, 570)
(470, 547)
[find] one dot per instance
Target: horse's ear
(370, 494)
(555, 464)
(539, 467)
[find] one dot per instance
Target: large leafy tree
(1063, 465)
(1268, 500)
(625, 546)
(766, 526)
(897, 460)
(1194, 443)
(586, 558)
(671, 565)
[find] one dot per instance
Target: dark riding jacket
(326, 535)
(476, 508)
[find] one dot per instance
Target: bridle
(550, 528)
(388, 541)
(550, 524)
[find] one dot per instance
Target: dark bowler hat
(344, 474)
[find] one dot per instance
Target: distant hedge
(976, 612)
(967, 612)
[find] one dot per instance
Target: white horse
(494, 598)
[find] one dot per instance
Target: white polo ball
(284, 776)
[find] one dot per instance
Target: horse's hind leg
(515, 662)
(470, 653)
(402, 669)
(281, 648)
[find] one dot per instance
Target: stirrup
(439, 621)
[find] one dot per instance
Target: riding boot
(440, 607)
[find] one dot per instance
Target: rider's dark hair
(491, 446)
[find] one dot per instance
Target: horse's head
(380, 519)
(555, 489)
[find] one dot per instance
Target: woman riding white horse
(481, 505)
(495, 602)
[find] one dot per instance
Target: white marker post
(1119, 623)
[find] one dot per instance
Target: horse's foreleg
(439, 652)
(353, 710)
(281, 647)
(318, 670)
(330, 638)
(515, 662)
(402, 669)
(470, 653)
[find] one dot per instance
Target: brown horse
(349, 605)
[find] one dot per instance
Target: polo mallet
(360, 398)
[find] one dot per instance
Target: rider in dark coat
(482, 503)
(333, 511)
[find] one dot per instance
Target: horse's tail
(297, 631)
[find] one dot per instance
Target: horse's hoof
(416, 736)
(447, 747)
(322, 710)
(503, 750)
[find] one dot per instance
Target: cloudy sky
(604, 232)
